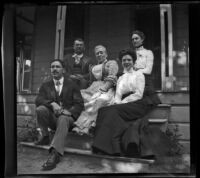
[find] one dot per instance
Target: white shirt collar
(61, 80)
(78, 55)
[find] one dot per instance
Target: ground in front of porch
(30, 160)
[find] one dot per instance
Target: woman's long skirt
(93, 100)
(123, 130)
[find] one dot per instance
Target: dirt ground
(30, 160)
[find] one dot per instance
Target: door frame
(60, 32)
(167, 77)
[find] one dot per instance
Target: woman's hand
(115, 101)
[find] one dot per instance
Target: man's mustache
(55, 72)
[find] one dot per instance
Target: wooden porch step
(161, 111)
(160, 120)
(174, 98)
(157, 117)
(84, 142)
(157, 121)
(89, 153)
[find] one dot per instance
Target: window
(181, 47)
(24, 46)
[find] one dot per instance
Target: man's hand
(73, 76)
(77, 76)
(56, 108)
(66, 112)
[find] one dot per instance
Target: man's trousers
(61, 124)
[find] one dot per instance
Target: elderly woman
(101, 91)
(120, 128)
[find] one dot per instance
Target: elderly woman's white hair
(100, 46)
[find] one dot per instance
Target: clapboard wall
(179, 115)
(44, 43)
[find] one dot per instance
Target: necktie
(58, 87)
(77, 59)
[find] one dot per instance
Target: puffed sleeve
(149, 63)
(139, 89)
(111, 68)
(96, 71)
(118, 93)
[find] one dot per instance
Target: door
(74, 26)
(147, 19)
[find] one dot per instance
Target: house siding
(45, 32)
(109, 26)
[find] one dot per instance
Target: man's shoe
(53, 159)
(43, 141)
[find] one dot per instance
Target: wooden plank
(161, 113)
(157, 120)
(170, 43)
(163, 51)
(180, 114)
(186, 146)
(161, 126)
(174, 98)
(184, 130)
(89, 153)
(60, 32)
(27, 98)
(79, 141)
(26, 121)
(26, 109)
(29, 109)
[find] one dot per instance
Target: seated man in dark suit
(78, 64)
(59, 103)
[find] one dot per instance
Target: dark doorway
(148, 21)
(74, 27)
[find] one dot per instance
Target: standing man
(59, 103)
(78, 64)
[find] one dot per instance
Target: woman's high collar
(129, 71)
(140, 48)
(103, 61)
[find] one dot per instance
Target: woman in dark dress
(122, 129)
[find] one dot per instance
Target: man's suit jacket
(70, 96)
(85, 65)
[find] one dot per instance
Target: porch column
(166, 47)
(60, 32)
